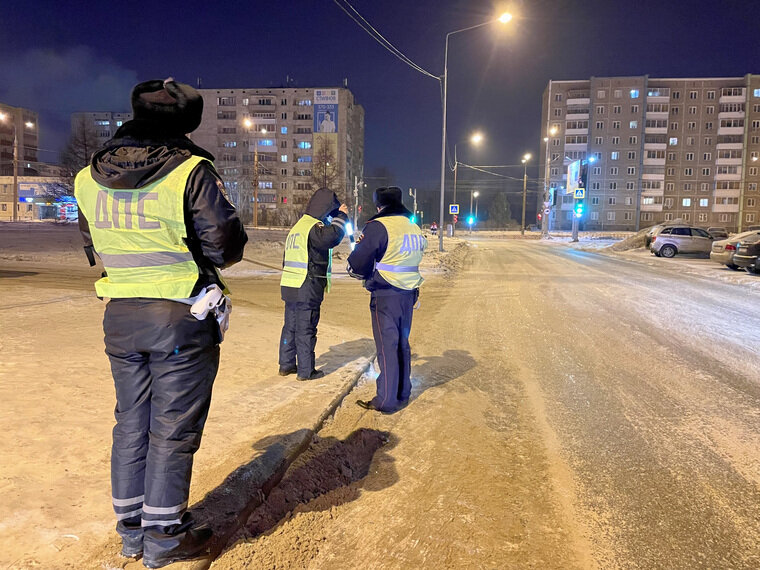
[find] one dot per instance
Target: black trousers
(391, 324)
(163, 362)
(299, 338)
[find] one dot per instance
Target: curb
(273, 472)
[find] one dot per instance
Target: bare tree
(80, 147)
(326, 171)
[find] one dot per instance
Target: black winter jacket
(322, 238)
(137, 156)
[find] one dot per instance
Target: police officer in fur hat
(153, 209)
(387, 258)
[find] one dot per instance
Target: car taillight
(654, 239)
(730, 247)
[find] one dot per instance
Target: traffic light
(470, 220)
(456, 218)
(579, 209)
(413, 218)
(539, 216)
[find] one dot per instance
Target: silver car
(669, 241)
(723, 251)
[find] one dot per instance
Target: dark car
(747, 253)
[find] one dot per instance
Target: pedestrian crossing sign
(453, 208)
(580, 193)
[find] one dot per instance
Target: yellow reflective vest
(400, 266)
(295, 267)
(139, 235)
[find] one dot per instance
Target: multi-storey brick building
(25, 124)
(102, 125)
(663, 149)
(279, 128)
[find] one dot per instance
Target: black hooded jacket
(322, 238)
(139, 155)
(371, 249)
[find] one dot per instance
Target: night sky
(60, 57)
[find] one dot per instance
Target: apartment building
(280, 130)
(103, 125)
(24, 123)
(660, 150)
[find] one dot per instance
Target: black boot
(193, 545)
(313, 376)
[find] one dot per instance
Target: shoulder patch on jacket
(222, 189)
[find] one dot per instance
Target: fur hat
(390, 196)
(175, 107)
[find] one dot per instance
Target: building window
(705, 172)
(646, 216)
(674, 110)
(708, 126)
(676, 95)
(689, 156)
(283, 158)
(749, 217)
(708, 141)
(752, 187)
(598, 155)
(670, 171)
(614, 171)
(634, 93)
(601, 93)
(674, 126)
(611, 200)
(633, 140)
(558, 96)
(671, 156)
(704, 202)
(284, 171)
(670, 186)
(725, 218)
(600, 124)
(673, 141)
(599, 140)
(283, 116)
(597, 170)
(634, 109)
(555, 142)
(600, 109)
(616, 109)
(750, 202)
(688, 172)
(711, 94)
(614, 155)
(628, 216)
(619, 93)
(631, 170)
(613, 185)
(610, 216)
(615, 124)
(615, 140)
(628, 199)
(702, 217)
(692, 110)
(692, 94)
(595, 186)
(225, 101)
(710, 110)
(283, 130)
(557, 112)
(555, 172)
(686, 202)
(594, 216)
(756, 92)
(595, 201)
(633, 125)
(691, 125)
(631, 155)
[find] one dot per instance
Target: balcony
(734, 98)
(575, 147)
(657, 115)
(729, 146)
(728, 161)
(657, 94)
(656, 146)
(651, 207)
(579, 101)
(654, 162)
(723, 208)
(732, 115)
(730, 130)
(736, 176)
(656, 130)
(577, 131)
(646, 176)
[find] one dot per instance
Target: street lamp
(504, 18)
(248, 124)
(28, 125)
(525, 160)
(474, 194)
(545, 217)
(475, 139)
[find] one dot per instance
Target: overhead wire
(362, 22)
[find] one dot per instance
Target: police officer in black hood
(153, 208)
(306, 274)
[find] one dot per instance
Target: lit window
(686, 202)
(283, 158)
(634, 93)
(119, 123)
(266, 142)
(673, 141)
(304, 144)
(633, 124)
(284, 130)
(704, 202)
(614, 155)
(756, 92)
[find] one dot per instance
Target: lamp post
(28, 125)
(474, 194)
(545, 217)
(525, 160)
(248, 124)
(475, 139)
(504, 18)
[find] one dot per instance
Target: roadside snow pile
(632, 242)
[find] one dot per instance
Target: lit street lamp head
(505, 17)
(527, 157)
(476, 194)
(553, 131)
(29, 125)
(248, 123)
(476, 138)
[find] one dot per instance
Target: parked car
(723, 250)
(653, 230)
(750, 228)
(718, 233)
(747, 254)
(671, 240)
